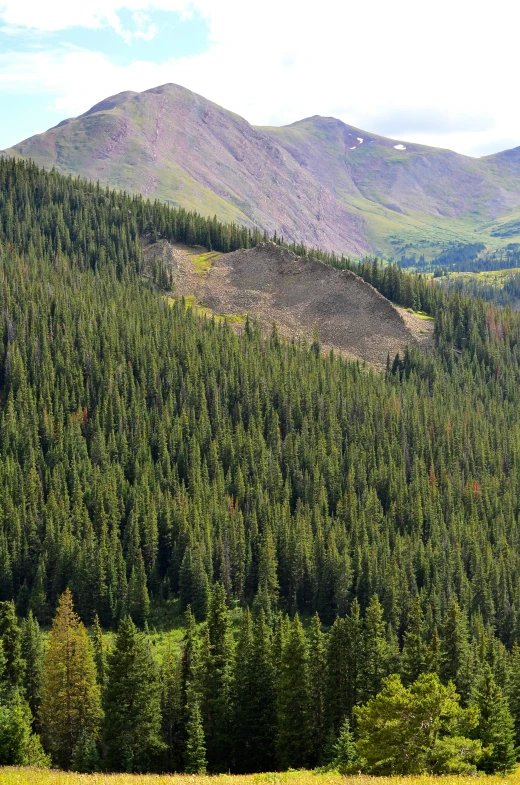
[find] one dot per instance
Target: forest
(364, 528)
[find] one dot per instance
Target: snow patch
(399, 147)
(359, 139)
(353, 148)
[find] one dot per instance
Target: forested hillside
(147, 454)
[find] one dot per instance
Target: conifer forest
(341, 547)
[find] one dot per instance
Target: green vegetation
(152, 459)
(204, 262)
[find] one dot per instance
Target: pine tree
(99, 652)
(132, 702)
(138, 597)
(10, 635)
(71, 701)
(253, 694)
(495, 728)
(85, 758)
(337, 686)
(345, 755)
(19, 746)
(171, 710)
(216, 699)
(375, 659)
(455, 650)
(415, 650)
(33, 654)
(195, 754)
(293, 742)
(513, 690)
(317, 681)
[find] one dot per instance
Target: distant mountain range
(318, 180)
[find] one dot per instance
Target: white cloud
(56, 15)
(285, 60)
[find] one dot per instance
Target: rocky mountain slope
(318, 181)
(273, 284)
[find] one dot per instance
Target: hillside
(275, 285)
(317, 181)
(319, 524)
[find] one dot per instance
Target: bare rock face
(272, 284)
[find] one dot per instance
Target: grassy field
(13, 776)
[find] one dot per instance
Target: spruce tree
(19, 746)
(99, 652)
(345, 755)
(33, 654)
(495, 728)
(317, 681)
(195, 753)
(375, 653)
(132, 702)
(171, 710)
(513, 689)
(337, 685)
(71, 701)
(414, 659)
(456, 650)
(10, 635)
(294, 731)
(216, 698)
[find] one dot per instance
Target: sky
(443, 73)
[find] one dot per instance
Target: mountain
(318, 181)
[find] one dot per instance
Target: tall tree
(495, 727)
(415, 654)
(33, 654)
(293, 742)
(217, 680)
(10, 635)
(71, 700)
(132, 702)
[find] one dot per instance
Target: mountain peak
(318, 181)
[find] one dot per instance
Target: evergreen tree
(195, 754)
(132, 702)
(99, 652)
(10, 635)
(217, 680)
(171, 710)
(417, 729)
(19, 746)
(513, 689)
(317, 681)
(33, 655)
(455, 650)
(85, 758)
(345, 755)
(293, 742)
(495, 728)
(71, 701)
(375, 659)
(415, 650)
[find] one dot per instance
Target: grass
(421, 315)
(203, 262)
(20, 776)
(191, 301)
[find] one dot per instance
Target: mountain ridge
(317, 180)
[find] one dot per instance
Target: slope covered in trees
(147, 454)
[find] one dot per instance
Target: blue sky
(443, 74)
